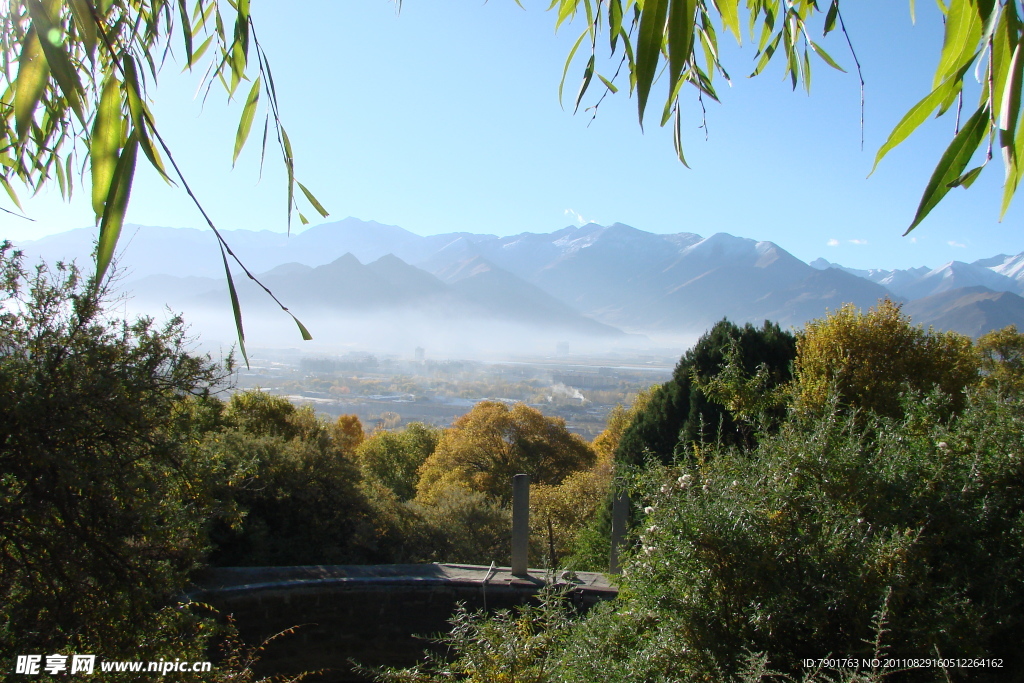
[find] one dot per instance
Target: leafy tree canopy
(869, 359)
(490, 444)
(104, 492)
(680, 413)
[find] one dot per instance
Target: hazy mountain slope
(508, 296)
(386, 287)
(970, 310)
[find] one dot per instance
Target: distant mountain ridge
(590, 277)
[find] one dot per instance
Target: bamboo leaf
(1010, 107)
(588, 75)
(11, 193)
(912, 120)
(289, 165)
(33, 72)
(729, 11)
(681, 24)
(963, 30)
(105, 142)
(186, 32)
(648, 49)
(767, 55)
(248, 113)
(312, 200)
(116, 205)
(86, 24)
(677, 138)
(831, 16)
(568, 61)
(201, 50)
(952, 164)
(608, 84)
(60, 65)
(614, 22)
(967, 179)
(566, 9)
(235, 308)
(306, 336)
(825, 56)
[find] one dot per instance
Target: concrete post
(620, 512)
(520, 524)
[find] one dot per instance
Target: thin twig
(860, 75)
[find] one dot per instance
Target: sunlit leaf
(235, 308)
(825, 56)
(105, 142)
(568, 61)
(86, 24)
(588, 74)
(313, 200)
(60, 65)
(967, 179)
(648, 49)
(248, 113)
(959, 45)
(729, 11)
(614, 22)
(608, 84)
(1010, 106)
(766, 55)
(11, 193)
(302, 329)
(186, 31)
(681, 19)
(33, 72)
(913, 119)
(116, 205)
(952, 164)
(831, 16)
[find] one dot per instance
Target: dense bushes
(869, 359)
(680, 413)
(103, 495)
(839, 531)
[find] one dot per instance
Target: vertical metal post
(620, 511)
(520, 524)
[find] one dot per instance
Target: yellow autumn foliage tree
(1002, 359)
(490, 444)
(869, 359)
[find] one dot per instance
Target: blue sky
(445, 117)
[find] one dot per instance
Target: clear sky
(445, 117)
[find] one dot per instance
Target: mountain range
(594, 281)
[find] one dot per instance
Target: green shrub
(795, 550)
(103, 492)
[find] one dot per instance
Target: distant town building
(420, 354)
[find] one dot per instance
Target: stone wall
(370, 614)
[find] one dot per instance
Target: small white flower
(652, 528)
(665, 488)
(685, 481)
(943, 445)
(735, 483)
(649, 549)
(649, 509)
